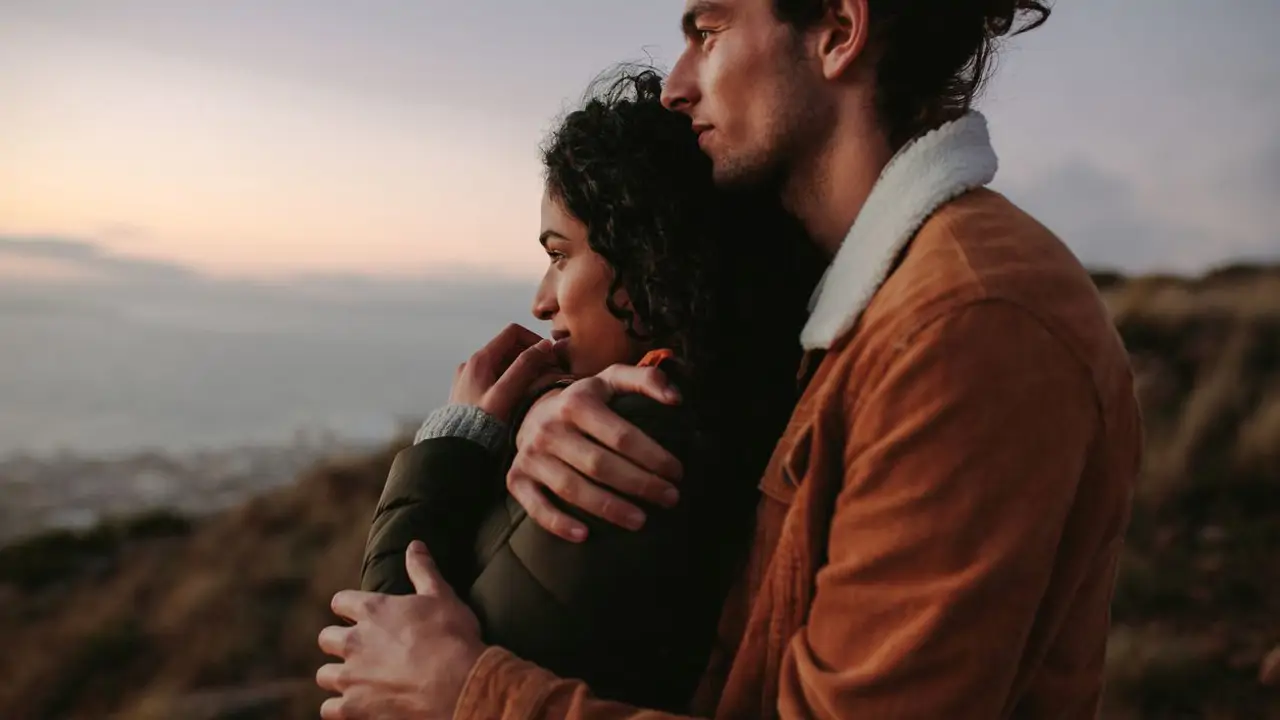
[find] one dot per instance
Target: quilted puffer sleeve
(633, 613)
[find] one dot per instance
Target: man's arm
(959, 474)
(631, 613)
(504, 687)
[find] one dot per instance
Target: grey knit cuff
(467, 422)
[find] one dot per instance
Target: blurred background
(244, 244)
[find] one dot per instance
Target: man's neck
(828, 192)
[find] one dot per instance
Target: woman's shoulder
(676, 369)
(670, 425)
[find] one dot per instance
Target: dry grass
(159, 618)
(1198, 604)
(163, 618)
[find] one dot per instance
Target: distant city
(68, 491)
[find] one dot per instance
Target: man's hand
(503, 371)
(406, 656)
(573, 435)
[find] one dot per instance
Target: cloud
(1098, 215)
(1268, 172)
(95, 262)
(104, 365)
(151, 292)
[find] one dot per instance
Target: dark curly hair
(933, 56)
(720, 277)
(633, 174)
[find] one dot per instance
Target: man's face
(754, 96)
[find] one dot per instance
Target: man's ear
(841, 36)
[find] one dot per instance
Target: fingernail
(634, 520)
(578, 534)
(417, 546)
(670, 497)
(673, 395)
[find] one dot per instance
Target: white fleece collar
(935, 168)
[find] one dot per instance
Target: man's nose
(680, 93)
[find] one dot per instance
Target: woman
(648, 263)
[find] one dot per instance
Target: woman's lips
(561, 347)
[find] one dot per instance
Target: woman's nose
(544, 302)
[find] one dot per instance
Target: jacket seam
(939, 314)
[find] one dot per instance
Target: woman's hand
(502, 372)
(572, 444)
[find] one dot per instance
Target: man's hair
(932, 57)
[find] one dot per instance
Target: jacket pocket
(790, 462)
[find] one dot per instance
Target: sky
(222, 221)
(398, 138)
(139, 353)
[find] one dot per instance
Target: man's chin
(730, 175)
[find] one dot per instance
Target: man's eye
(555, 256)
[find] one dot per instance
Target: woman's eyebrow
(548, 234)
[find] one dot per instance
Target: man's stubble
(799, 121)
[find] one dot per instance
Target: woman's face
(573, 293)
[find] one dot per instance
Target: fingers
(603, 466)
(649, 381)
(333, 709)
(569, 484)
(549, 378)
(561, 350)
(337, 641)
(596, 420)
(354, 605)
(507, 345)
(532, 364)
(422, 569)
(538, 507)
(332, 677)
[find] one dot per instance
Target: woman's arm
(632, 613)
(438, 491)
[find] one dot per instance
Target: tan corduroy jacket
(942, 519)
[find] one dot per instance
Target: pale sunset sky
(399, 137)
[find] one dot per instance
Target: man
(941, 521)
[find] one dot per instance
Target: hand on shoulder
(575, 446)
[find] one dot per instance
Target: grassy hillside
(1198, 604)
(159, 617)
(162, 617)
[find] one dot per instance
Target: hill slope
(162, 617)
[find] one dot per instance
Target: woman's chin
(581, 367)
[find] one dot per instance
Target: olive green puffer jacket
(633, 613)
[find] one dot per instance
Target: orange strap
(655, 357)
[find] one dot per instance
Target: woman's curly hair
(720, 277)
(632, 172)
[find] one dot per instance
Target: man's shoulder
(981, 246)
(979, 249)
(981, 254)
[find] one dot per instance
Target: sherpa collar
(924, 175)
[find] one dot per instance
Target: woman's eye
(555, 256)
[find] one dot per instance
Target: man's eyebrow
(696, 11)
